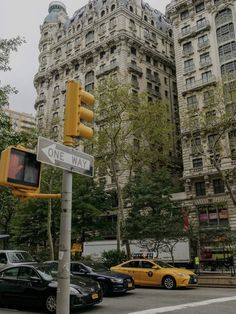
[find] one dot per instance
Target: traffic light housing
(20, 169)
(75, 113)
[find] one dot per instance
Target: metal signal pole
(63, 278)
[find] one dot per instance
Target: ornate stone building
(125, 38)
(205, 51)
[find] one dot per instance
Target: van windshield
(19, 257)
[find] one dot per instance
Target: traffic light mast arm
(25, 194)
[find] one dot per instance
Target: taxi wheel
(50, 303)
(169, 282)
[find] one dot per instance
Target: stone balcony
(199, 84)
(193, 31)
(108, 68)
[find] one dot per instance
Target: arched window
(131, 9)
(152, 22)
(113, 7)
(78, 27)
(102, 13)
(145, 18)
(89, 37)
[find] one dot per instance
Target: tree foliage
(133, 133)
(153, 218)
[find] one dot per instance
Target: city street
(153, 301)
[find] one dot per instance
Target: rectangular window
(212, 215)
(185, 30)
(187, 47)
(199, 7)
(196, 145)
(207, 76)
(188, 63)
(184, 15)
(197, 163)
(202, 39)
(200, 188)
(205, 58)
(192, 102)
(190, 81)
(218, 186)
(200, 23)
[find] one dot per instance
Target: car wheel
(169, 282)
(105, 288)
(50, 303)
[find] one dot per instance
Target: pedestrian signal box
(19, 169)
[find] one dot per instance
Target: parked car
(111, 282)
(148, 272)
(33, 285)
(15, 257)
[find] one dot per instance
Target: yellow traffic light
(75, 113)
(20, 169)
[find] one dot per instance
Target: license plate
(130, 285)
(94, 296)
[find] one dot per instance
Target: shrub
(113, 257)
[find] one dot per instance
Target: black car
(111, 282)
(34, 286)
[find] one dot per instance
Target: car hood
(83, 281)
(112, 274)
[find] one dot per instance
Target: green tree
(90, 202)
(128, 137)
(154, 219)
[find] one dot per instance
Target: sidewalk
(217, 279)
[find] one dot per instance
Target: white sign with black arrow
(61, 156)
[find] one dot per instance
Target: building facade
(126, 38)
(205, 54)
(21, 121)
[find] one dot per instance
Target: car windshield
(163, 264)
(19, 257)
(45, 272)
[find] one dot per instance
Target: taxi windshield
(163, 264)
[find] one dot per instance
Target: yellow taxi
(148, 272)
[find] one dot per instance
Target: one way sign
(64, 157)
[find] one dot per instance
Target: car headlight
(182, 275)
(74, 291)
(119, 280)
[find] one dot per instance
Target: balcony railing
(135, 68)
(188, 51)
(192, 31)
(107, 69)
(153, 78)
(205, 63)
(199, 84)
(189, 69)
(204, 44)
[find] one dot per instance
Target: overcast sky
(24, 17)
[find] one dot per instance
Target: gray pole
(63, 289)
